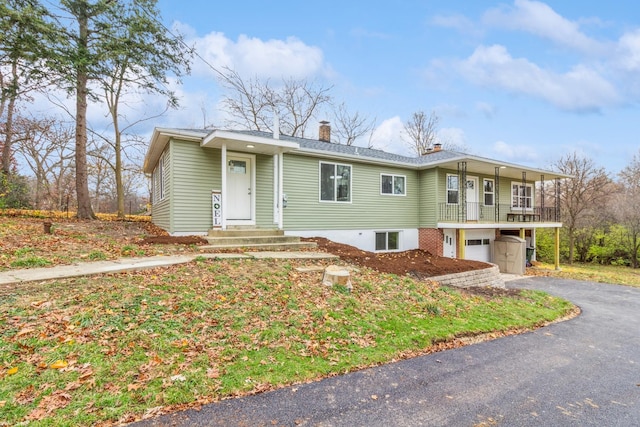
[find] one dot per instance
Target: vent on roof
(324, 134)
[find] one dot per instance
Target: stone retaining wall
(486, 277)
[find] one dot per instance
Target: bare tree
(45, 146)
(22, 29)
(627, 210)
(584, 197)
(349, 127)
(422, 131)
(251, 103)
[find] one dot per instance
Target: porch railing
(477, 212)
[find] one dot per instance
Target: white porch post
(224, 186)
(276, 189)
(280, 190)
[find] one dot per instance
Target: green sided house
(448, 203)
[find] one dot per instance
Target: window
(392, 184)
(387, 241)
(452, 189)
(521, 196)
(487, 185)
(158, 179)
(335, 182)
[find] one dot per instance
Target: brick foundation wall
(431, 239)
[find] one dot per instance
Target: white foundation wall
(363, 239)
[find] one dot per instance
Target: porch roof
(237, 141)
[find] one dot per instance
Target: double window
(387, 240)
(335, 182)
(393, 184)
(521, 196)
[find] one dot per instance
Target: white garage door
(478, 245)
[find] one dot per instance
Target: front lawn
(114, 348)
(619, 275)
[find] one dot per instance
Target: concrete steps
(254, 238)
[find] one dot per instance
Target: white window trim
(386, 232)
(519, 184)
(446, 184)
(335, 193)
(393, 178)
(158, 179)
(487, 192)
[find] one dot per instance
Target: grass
(592, 272)
(190, 334)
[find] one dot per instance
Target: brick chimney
(437, 146)
(324, 134)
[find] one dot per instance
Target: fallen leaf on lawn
(56, 400)
(73, 386)
(2, 403)
(213, 373)
(22, 332)
(59, 364)
(12, 371)
(178, 377)
(134, 386)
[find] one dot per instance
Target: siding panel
(264, 191)
(368, 208)
(195, 172)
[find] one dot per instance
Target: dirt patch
(418, 263)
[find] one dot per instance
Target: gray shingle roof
(355, 151)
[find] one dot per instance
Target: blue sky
(521, 81)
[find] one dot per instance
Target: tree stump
(337, 275)
(47, 227)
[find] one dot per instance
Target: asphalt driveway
(582, 372)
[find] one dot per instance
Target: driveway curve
(582, 372)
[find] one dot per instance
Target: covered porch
(234, 204)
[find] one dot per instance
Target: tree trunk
(119, 185)
(8, 131)
(82, 180)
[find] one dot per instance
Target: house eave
(497, 225)
(491, 167)
(159, 140)
(247, 143)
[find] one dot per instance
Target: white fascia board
(360, 159)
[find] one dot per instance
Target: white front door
(473, 207)
(449, 245)
(239, 187)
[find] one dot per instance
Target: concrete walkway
(130, 264)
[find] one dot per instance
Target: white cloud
(453, 139)
(255, 57)
(540, 19)
(388, 137)
(514, 152)
(457, 22)
(580, 89)
(488, 110)
(628, 51)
